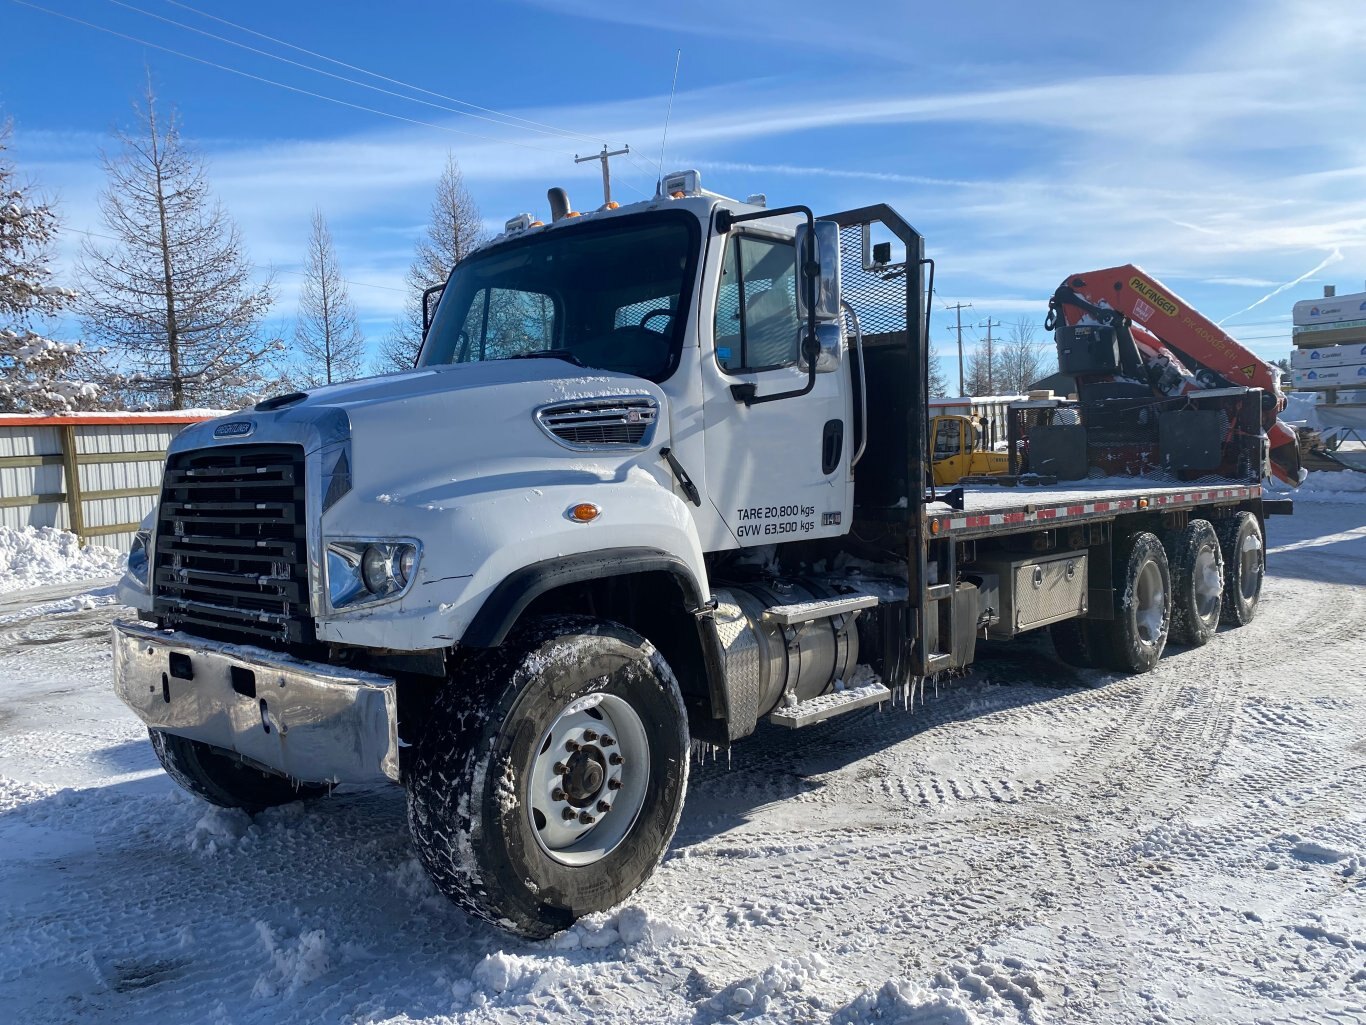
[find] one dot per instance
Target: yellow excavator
(960, 450)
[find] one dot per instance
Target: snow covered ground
(1032, 844)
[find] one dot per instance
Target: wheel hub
(584, 776)
(588, 781)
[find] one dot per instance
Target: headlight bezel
(345, 560)
(139, 565)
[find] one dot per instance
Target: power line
(501, 120)
(383, 78)
(282, 85)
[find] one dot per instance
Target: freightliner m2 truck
(661, 475)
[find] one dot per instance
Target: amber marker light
(934, 526)
(584, 512)
(1143, 503)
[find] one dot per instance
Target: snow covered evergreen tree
(36, 373)
(174, 296)
(327, 335)
(455, 230)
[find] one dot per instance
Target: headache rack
(231, 558)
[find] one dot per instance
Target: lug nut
(590, 735)
(568, 813)
(559, 768)
(557, 794)
(614, 784)
(607, 741)
(604, 807)
(615, 758)
(586, 819)
(571, 745)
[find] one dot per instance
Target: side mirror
(825, 266)
(829, 341)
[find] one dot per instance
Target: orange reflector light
(536, 224)
(584, 512)
(572, 213)
(613, 205)
(1143, 503)
(934, 526)
(677, 195)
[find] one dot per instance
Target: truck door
(776, 471)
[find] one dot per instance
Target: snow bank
(1329, 486)
(37, 556)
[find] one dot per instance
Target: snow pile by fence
(36, 556)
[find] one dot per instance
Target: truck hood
(431, 435)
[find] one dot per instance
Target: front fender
(506, 545)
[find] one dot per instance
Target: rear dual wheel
(1133, 640)
(1197, 569)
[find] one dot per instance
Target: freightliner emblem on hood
(234, 429)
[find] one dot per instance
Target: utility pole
(606, 172)
(991, 373)
(959, 308)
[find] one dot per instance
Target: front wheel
(550, 777)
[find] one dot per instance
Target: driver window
(946, 439)
(756, 324)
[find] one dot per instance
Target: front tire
(1197, 568)
(550, 777)
(216, 776)
(1133, 640)
(1244, 567)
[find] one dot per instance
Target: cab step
(807, 612)
(827, 706)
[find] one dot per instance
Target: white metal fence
(95, 474)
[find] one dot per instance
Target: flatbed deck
(989, 509)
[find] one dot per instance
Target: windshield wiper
(563, 354)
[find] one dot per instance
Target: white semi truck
(661, 474)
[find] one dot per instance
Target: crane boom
(1167, 343)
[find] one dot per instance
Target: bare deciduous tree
(326, 334)
(455, 230)
(1021, 360)
(36, 373)
(173, 296)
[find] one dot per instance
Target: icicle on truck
(661, 474)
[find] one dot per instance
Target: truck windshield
(612, 295)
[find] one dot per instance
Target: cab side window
(756, 309)
(946, 442)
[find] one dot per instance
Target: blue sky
(1220, 145)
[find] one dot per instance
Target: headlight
(359, 572)
(138, 556)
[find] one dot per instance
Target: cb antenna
(659, 183)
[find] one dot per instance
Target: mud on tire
(505, 785)
(216, 776)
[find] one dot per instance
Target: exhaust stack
(559, 203)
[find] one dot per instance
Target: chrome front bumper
(312, 722)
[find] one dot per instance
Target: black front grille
(231, 545)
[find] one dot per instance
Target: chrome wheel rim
(1150, 599)
(1250, 577)
(588, 780)
(1207, 582)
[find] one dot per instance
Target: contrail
(1334, 257)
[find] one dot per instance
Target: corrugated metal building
(115, 459)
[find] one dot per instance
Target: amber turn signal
(584, 512)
